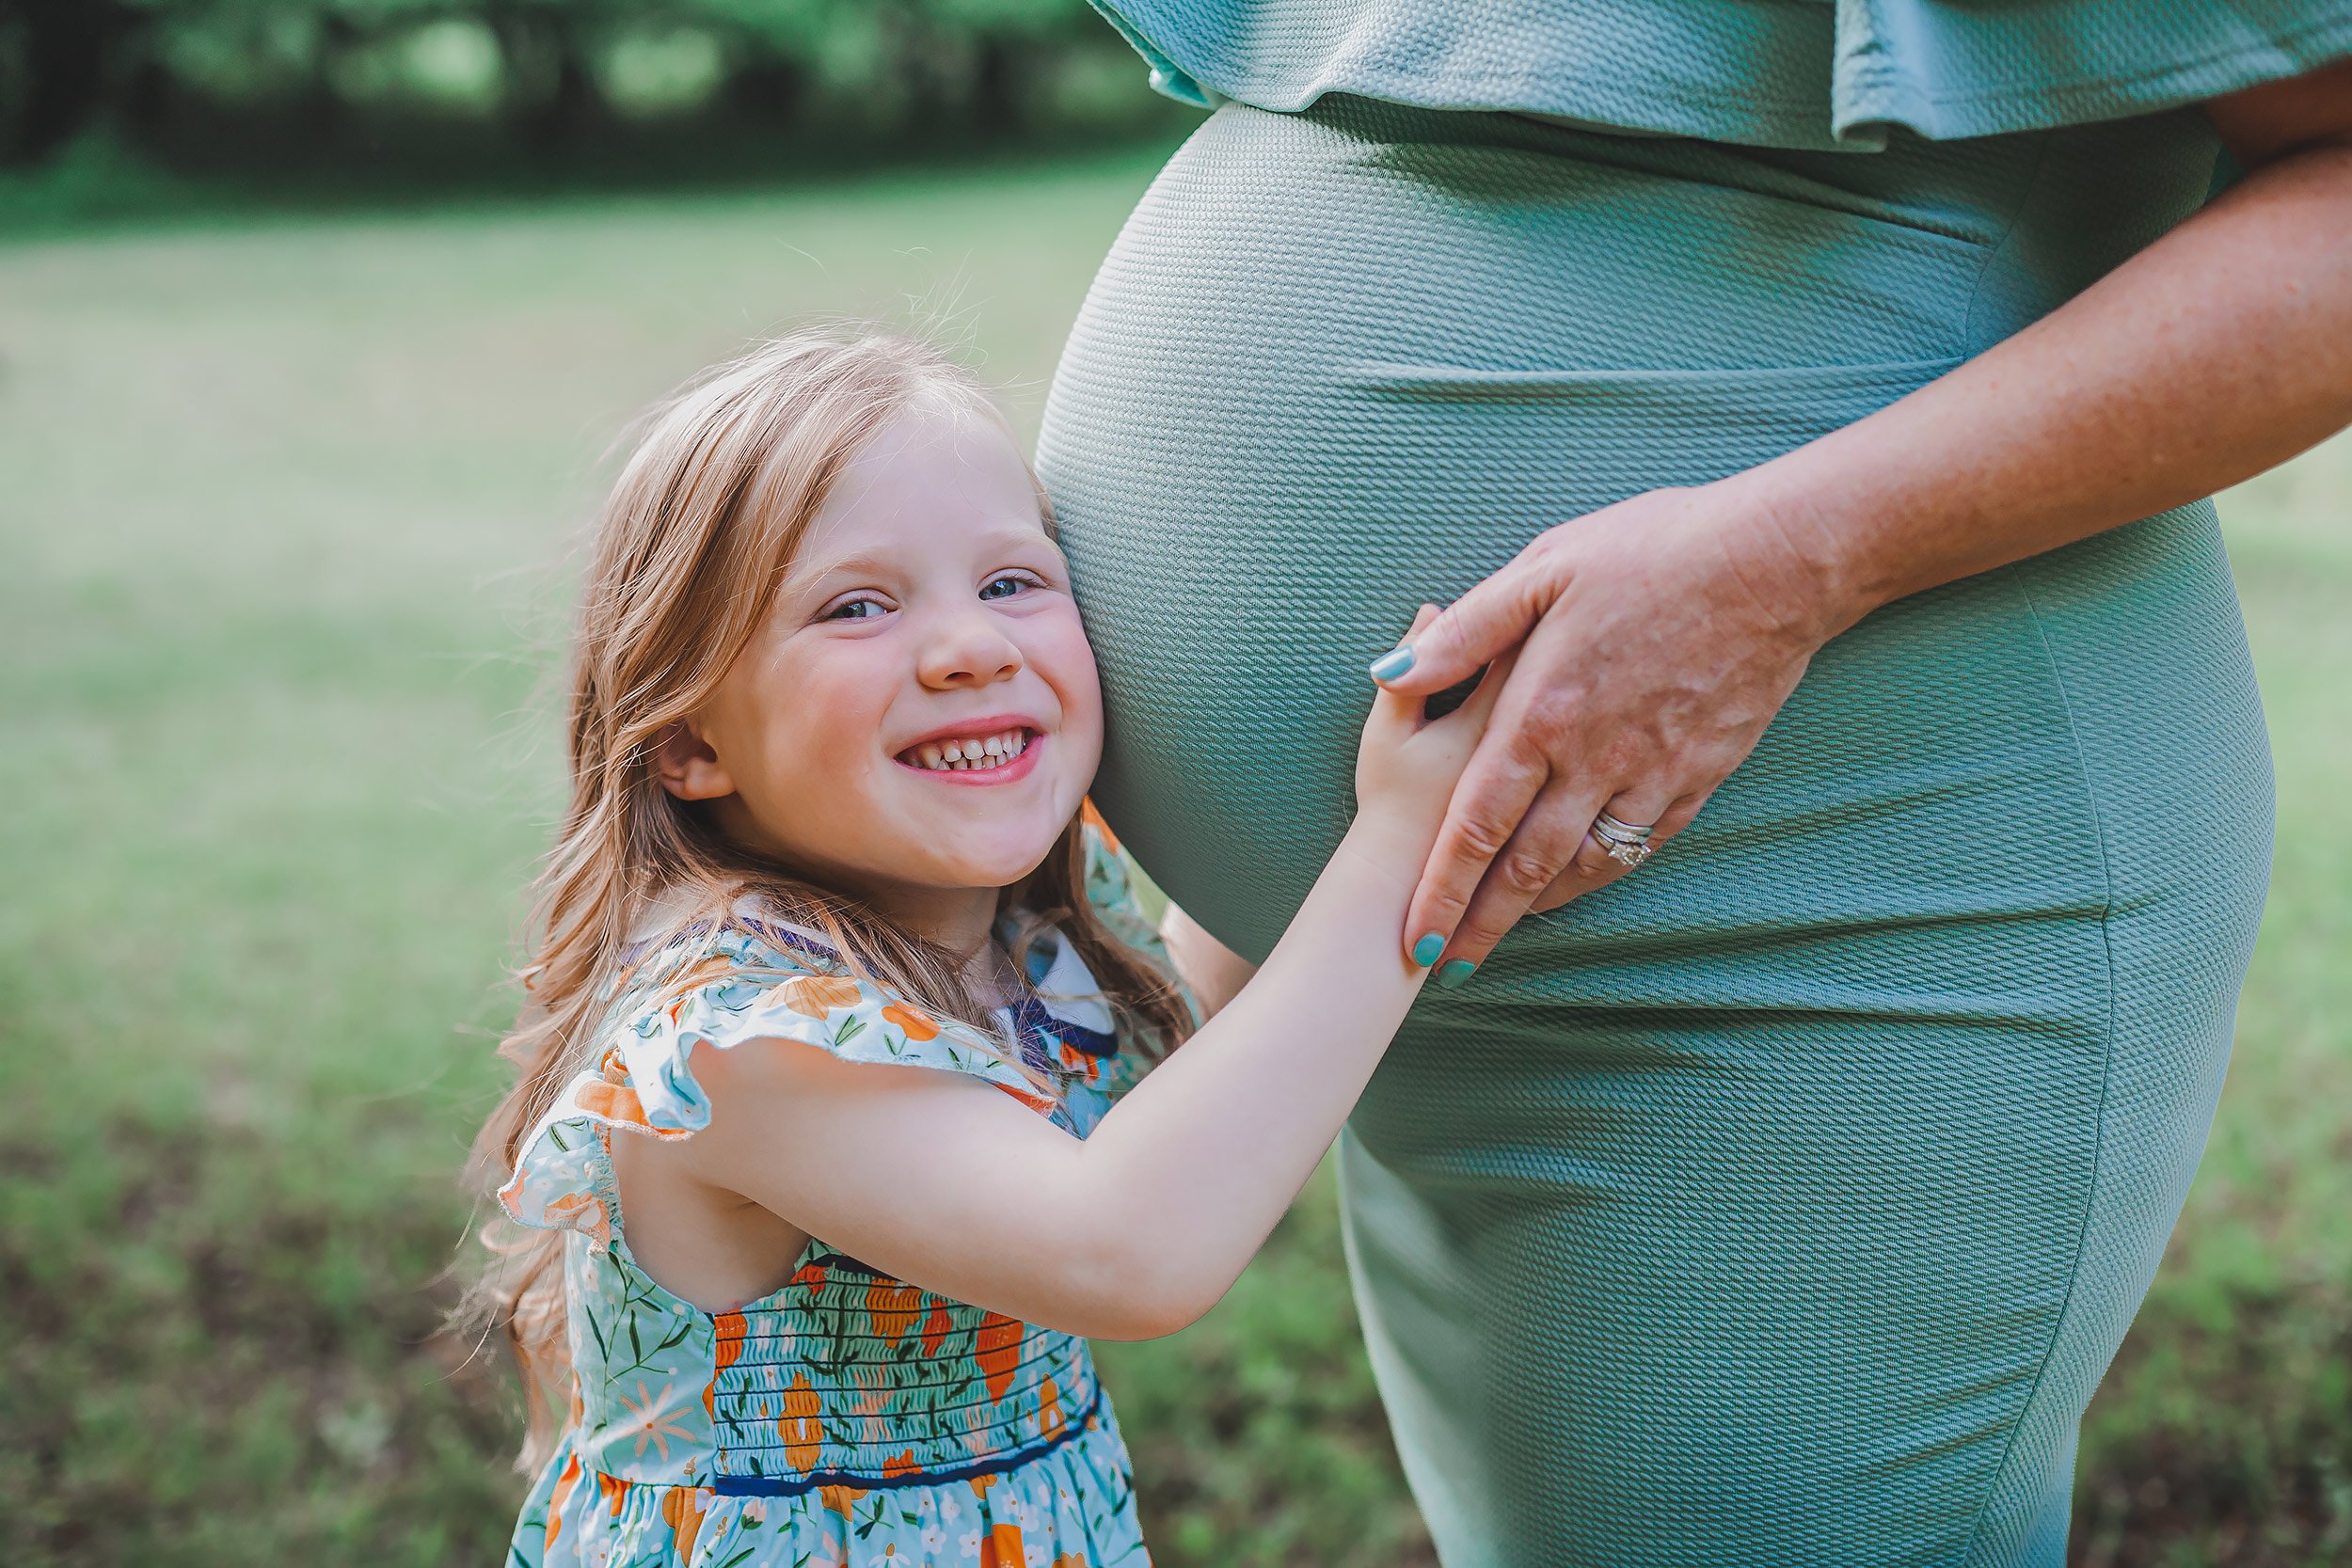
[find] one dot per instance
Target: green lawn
(282, 549)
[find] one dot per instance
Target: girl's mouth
(995, 756)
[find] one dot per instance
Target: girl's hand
(1407, 764)
(1655, 639)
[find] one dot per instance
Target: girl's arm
(950, 1184)
(1212, 972)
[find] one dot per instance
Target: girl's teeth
(961, 756)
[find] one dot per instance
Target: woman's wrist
(1791, 532)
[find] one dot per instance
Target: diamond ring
(1628, 843)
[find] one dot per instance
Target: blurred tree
(59, 52)
(321, 76)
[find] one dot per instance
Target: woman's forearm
(2219, 351)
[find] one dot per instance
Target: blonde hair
(686, 561)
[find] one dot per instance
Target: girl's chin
(994, 859)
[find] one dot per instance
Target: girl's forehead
(930, 479)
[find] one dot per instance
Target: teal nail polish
(1392, 663)
(1426, 951)
(1452, 975)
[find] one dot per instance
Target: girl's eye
(853, 609)
(1004, 586)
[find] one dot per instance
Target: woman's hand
(1655, 639)
(1408, 767)
(1662, 634)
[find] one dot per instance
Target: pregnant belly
(1339, 364)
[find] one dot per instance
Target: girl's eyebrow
(863, 564)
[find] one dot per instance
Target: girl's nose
(967, 650)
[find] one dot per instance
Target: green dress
(1784, 1203)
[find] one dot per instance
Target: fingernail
(1426, 951)
(1392, 663)
(1452, 975)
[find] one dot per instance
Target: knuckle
(1482, 836)
(1440, 909)
(1524, 873)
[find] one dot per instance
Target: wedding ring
(1627, 843)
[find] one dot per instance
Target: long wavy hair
(684, 568)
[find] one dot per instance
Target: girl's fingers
(1479, 705)
(1474, 629)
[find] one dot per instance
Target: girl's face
(921, 710)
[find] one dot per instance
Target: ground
(285, 526)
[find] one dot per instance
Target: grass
(284, 521)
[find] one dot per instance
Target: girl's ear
(689, 768)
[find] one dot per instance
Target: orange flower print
(981, 1483)
(918, 1025)
(837, 1499)
(615, 1102)
(584, 1213)
(810, 1276)
(895, 1306)
(1071, 1559)
(804, 1434)
(814, 995)
(1050, 1424)
(1002, 1548)
(728, 1330)
(682, 1510)
(1076, 1060)
(613, 1492)
(1094, 818)
(726, 1348)
(899, 1465)
(1041, 1103)
(557, 1498)
(936, 1328)
(684, 983)
(1000, 1351)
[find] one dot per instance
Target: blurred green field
(282, 545)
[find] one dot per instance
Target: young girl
(831, 725)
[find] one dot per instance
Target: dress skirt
(1783, 1203)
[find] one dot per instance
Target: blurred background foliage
(321, 93)
(318, 321)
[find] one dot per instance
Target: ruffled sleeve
(1948, 69)
(715, 989)
(1790, 73)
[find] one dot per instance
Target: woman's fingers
(1394, 713)
(1574, 882)
(1505, 774)
(1643, 806)
(1522, 871)
(1474, 630)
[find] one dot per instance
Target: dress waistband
(892, 1477)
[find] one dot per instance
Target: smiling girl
(833, 1138)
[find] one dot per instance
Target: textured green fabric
(1783, 1203)
(1796, 73)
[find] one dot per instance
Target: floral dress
(848, 1418)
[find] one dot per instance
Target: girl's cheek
(1069, 659)
(830, 705)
